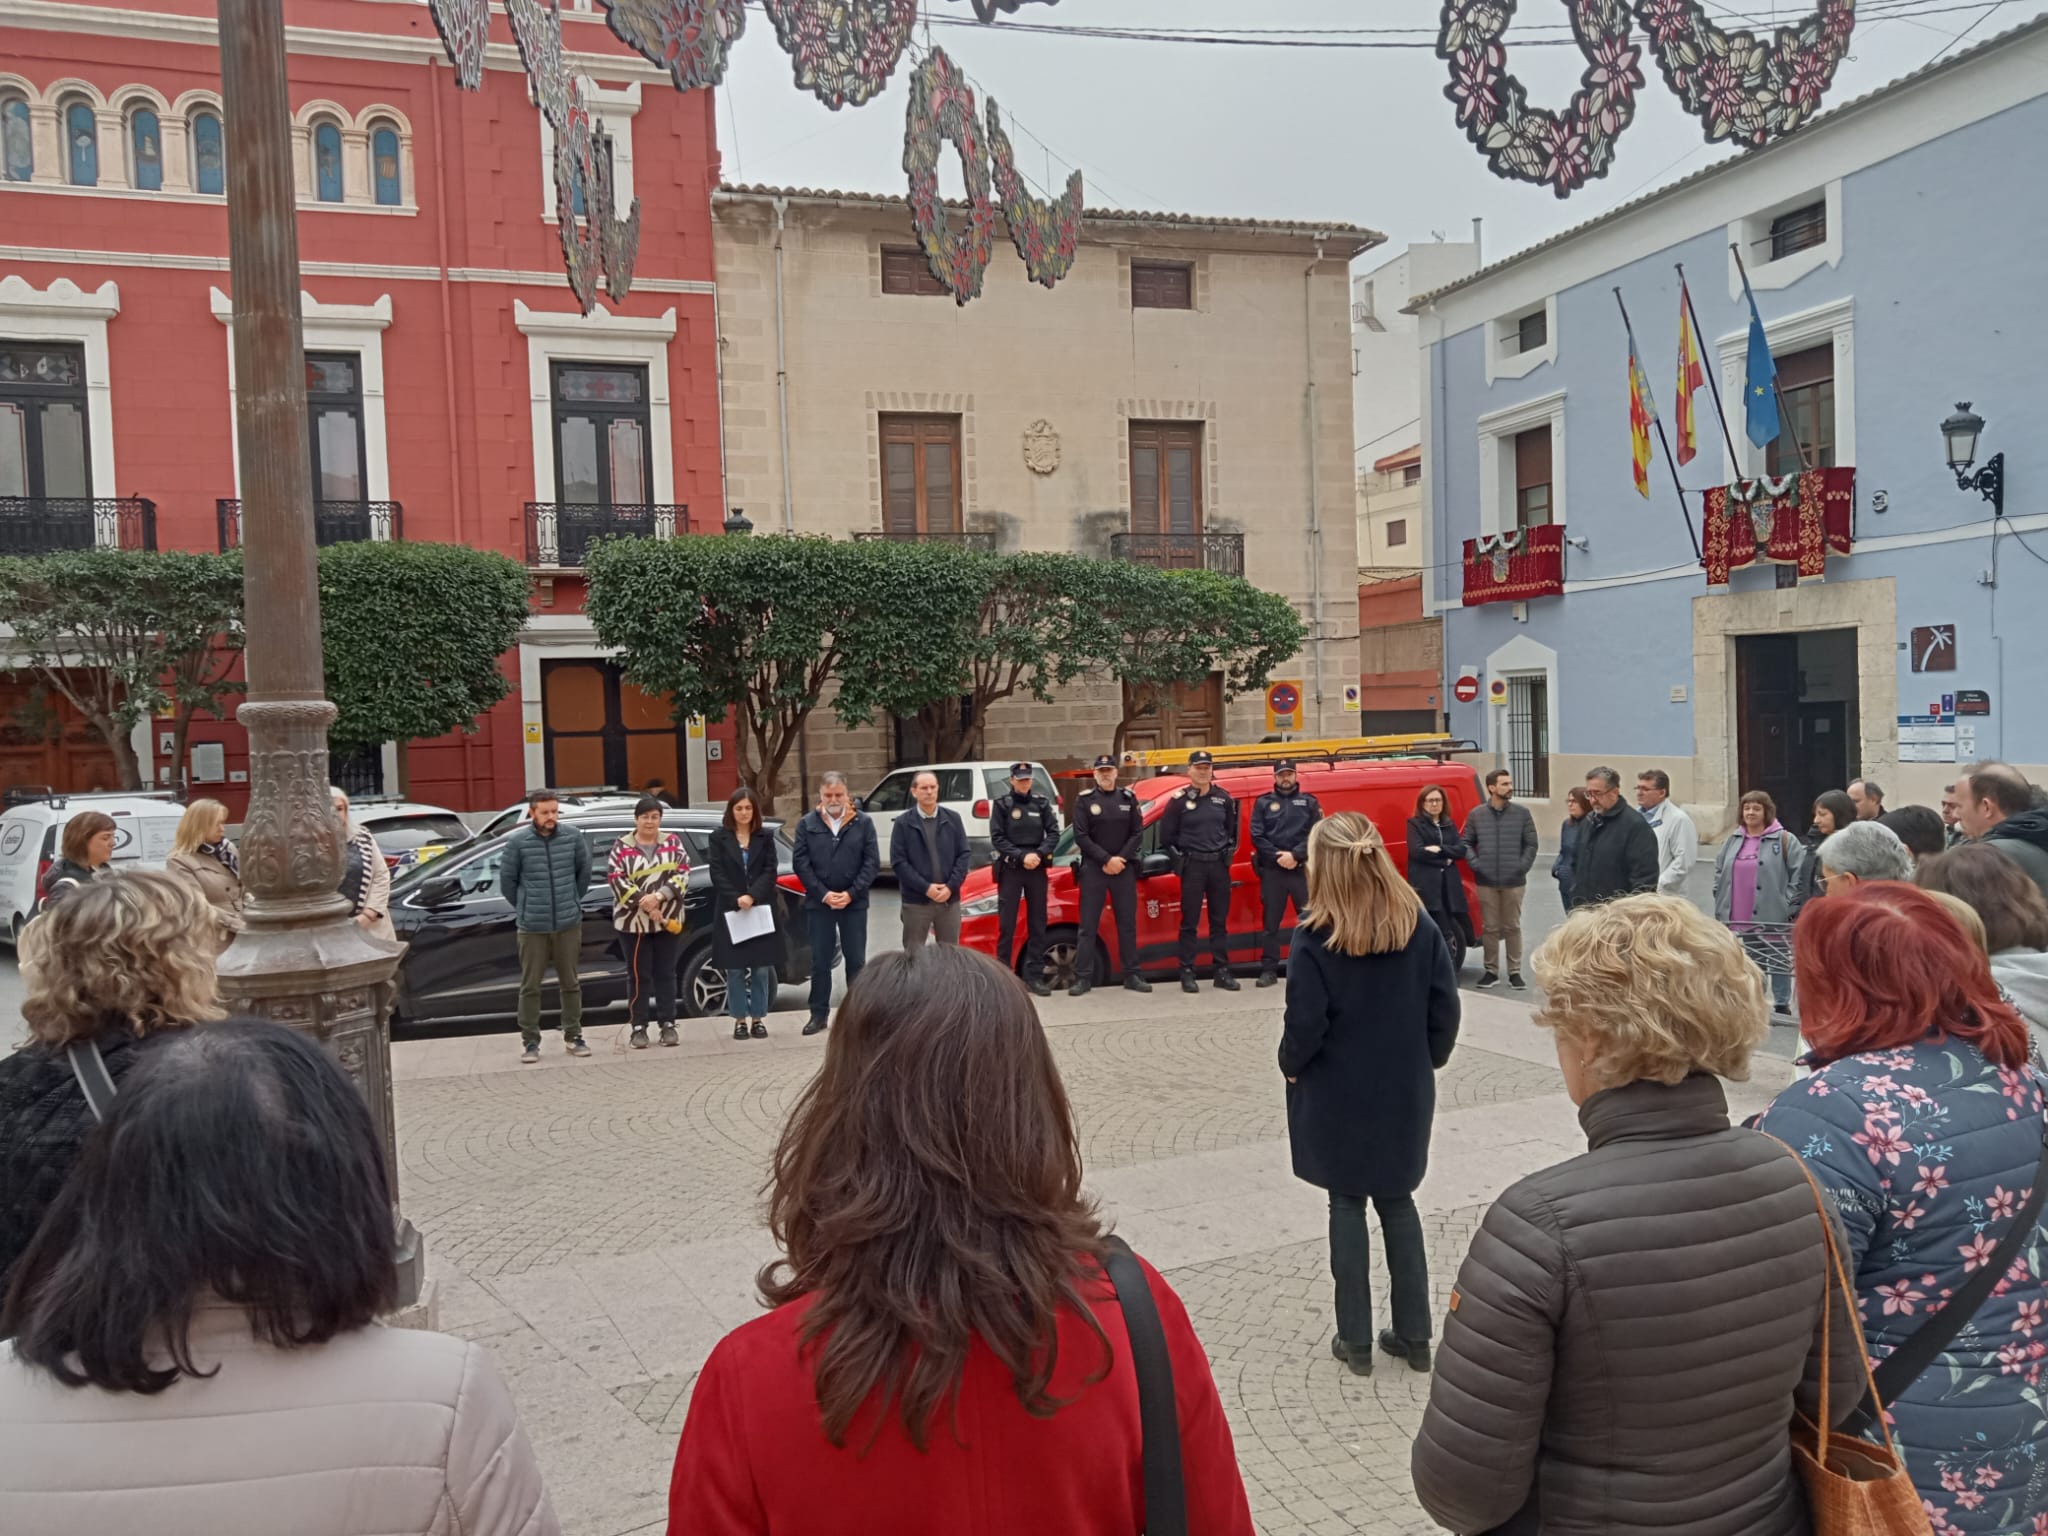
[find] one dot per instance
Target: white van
(31, 835)
(966, 789)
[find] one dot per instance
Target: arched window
(145, 135)
(385, 174)
(82, 143)
(17, 140)
(327, 162)
(209, 169)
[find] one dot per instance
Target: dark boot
(1359, 1360)
(1414, 1351)
(815, 1027)
(1269, 977)
(1037, 987)
(1225, 982)
(1081, 987)
(1188, 982)
(1136, 983)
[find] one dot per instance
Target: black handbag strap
(1166, 1495)
(94, 1080)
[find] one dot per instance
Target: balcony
(559, 532)
(334, 522)
(980, 543)
(1222, 553)
(44, 525)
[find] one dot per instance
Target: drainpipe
(1315, 503)
(782, 372)
(447, 322)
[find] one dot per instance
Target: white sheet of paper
(755, 923)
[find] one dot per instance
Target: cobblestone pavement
(599, 1224)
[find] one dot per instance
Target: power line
(1998, 5)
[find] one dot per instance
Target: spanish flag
(1642, 410)
(1692, 373)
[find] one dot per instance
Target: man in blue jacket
(837, 860)
(928, 851)
(543, 875)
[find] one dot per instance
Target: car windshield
(404, 833)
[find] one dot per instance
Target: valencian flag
(1642, 410)
(1760, 387)
(1692, 373)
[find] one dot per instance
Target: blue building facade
(1898, 248)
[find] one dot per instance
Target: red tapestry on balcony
(1508, 567)
(1791, 520)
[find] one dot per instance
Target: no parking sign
(1283, 706)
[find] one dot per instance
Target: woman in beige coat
(194, 1348)
(202, 854)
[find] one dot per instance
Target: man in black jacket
(1997, 809)
(1617, 850)
(837, 859)
(1109, 824)
(1023, 826)
(1199, 827)
(1281, 823)
(928, 851)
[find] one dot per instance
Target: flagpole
(1713, 376)
(1785, 418)
(1683, 510)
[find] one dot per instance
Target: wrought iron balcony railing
(43, 525)
(559, 532)
(1219, 552)
(980, 542)
(334, 522)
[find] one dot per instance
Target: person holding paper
(745, 943)
(928, 851)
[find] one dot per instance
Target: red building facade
(456, 393)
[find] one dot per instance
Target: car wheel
(1062, 958)
(700, 985)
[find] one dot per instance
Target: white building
(1386, 384)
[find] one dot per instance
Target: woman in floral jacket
(1925, 1125)
(650, 874)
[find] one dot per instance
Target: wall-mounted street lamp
(1960, 433)
(739, 522)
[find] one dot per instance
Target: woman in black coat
(1578, 805)
(1372, 1013)
(744, 863)
(1435, 850)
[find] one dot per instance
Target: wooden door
(1767, 715)
(1166, 491)
(920, 475)
(1193, 717)
(600, 730)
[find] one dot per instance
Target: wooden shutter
(1162, 285)
(1532, 478)
(905, 270)
(920, 475)
(1166, 478)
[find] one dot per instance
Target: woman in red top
(946, 1354)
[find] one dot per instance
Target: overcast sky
(1275, 132)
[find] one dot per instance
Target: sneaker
(576, 1047)
(529, 1056)
(1188, 982)
(1414, 1351)
(1081, 988)
(1137, 984)
(815, 1027)
(1490, 979)
(1225, 982)
(1269, 978)
(668, 1035)
(639, 1037)
(1359, 1360)
(1515, 981)
(759, 1031)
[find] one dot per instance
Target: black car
(462, 960)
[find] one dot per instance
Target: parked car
(1383, 790)
(463, 960)
(30, 835)
(409, 833)
(573, 801)
(967, 789)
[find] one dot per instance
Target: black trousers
(652, 958)
(1277, 887)
(1121, 892)
(1013, 885)
(1204, 880)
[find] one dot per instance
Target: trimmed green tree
(414, 637)
(128, 634)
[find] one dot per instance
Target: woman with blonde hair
(1633, 1328)
(1372, 1014)
(202, 854)
(113, 965)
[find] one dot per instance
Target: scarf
(225, 852)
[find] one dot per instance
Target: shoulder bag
(1166, 1495)
(94, 1080)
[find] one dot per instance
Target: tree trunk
(181, 747)
(125, 763)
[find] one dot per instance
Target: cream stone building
(1183, 396)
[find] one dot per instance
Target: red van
(1384, 790)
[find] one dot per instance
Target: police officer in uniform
(1200, 829)
(1108, 826)
(1280, 828)
(1022, 827)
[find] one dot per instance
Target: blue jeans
(749, 989)
(848, 928)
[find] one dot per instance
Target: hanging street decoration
(942, 111)
(1047, 234)
(465, 28)
(988, 10)
(844, 50)
(688, 38)
(1743, 88)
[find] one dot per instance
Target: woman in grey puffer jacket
(1633, 1329)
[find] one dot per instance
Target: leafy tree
(127, 634)
(413, 636)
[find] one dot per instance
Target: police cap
(1020, 770)
(1199, 757)
(1285, 765)
(1105, 761)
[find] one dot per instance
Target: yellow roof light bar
(1334, 749)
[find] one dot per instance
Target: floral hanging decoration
(1047, 234)
(688, 38)
(1742, 87)
(844, 50)
(1560, 150)
(465, 28)
(942, 111)
(989, 10)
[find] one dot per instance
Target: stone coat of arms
(1041, 448)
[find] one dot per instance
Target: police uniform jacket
(1021, 824)
(1108, 824)
(1281, 823)
(1199, 822)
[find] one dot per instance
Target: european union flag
(1760, 386)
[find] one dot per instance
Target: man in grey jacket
(544, 874)
(1502, 837)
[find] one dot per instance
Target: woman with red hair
(1924, 1121)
